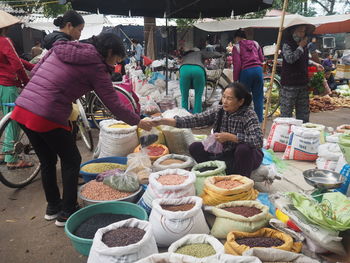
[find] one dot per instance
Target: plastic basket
(91, 176)
(83, 245)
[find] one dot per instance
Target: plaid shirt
(243, 123)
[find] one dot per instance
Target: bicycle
(20, 149)
(215, 83)
(84, 126)
(97, 111)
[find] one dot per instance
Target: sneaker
(52, 211)
(63, 217)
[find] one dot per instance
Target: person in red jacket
(12, 77)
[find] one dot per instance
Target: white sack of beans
(278, 255)
(101, 253)
(116, 141)
(198, 239)
(157, 190)
(178, 140)
(169, 226)
(219, 258)
(188, 162)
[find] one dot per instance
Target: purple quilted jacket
(68, 71)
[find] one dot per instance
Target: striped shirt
(243, 123)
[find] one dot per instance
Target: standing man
(312, 47)
(139, 53)
(294, 77)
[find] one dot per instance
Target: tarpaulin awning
(172, 8)
(324, 24)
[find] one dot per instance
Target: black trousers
(49, 145)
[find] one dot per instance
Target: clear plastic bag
(149, 107)
(211, 145)
(100, 177)
(149, 137)
(140, 164)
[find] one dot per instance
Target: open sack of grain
(205, 170)
(271, 255)
(223, 189)
(173, 161)
(197, 245)
(170, 183)
(116, 139)
(125, 241)
(178, 258)
(238, 242)
(172, 219)
(245, 216)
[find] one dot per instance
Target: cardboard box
(343, 71)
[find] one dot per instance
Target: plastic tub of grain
(83, 245)
(173, 161)
(98, 191)
(154, 151)
(89, 172)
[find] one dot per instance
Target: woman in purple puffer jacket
(68, 71)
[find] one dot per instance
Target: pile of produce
(175, 208)
(329, 102)
(101, 167)
(197, 250)
(123, 236)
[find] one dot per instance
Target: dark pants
(47, 146)
(242, 160)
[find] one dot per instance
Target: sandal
(19, 165)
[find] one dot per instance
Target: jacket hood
(50, 39)
(249, 44)
(73, 52)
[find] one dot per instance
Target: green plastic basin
(83, 245)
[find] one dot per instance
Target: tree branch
(321, 4)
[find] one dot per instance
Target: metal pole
(166, 55)
(267, 106)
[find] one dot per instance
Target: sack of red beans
(170, 183)
(123, 242)
(246, 216)
(171, 219)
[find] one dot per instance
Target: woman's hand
(226, 137)
(145, 125)
(164, 121)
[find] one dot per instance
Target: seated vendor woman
(235, 125)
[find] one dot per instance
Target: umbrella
(172, 8)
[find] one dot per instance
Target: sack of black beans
(197, 245)
(123, 242)
(245, 216)
(238, 242)
(170, 183)
(278, 255)
(171, 219)
(205, 170)
(173, 161)
(177, 258)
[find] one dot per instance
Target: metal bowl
(130, 198)
(324, 179)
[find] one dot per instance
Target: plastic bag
(149, 107)
(149, 137)
(100, 177)
(124, 182)
(211, 145)
(140, 164)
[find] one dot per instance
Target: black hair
(108, 41)
(240, 33)
(133, 40)
(240, 92)
(70, 16)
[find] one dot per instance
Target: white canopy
(270, 22)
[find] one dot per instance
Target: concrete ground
(26, 237)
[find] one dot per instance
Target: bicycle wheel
(84, 127)
(18, 149)
(275, 94)
(98, 111)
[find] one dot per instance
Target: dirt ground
(26, 237)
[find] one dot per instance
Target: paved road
(26, 237)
